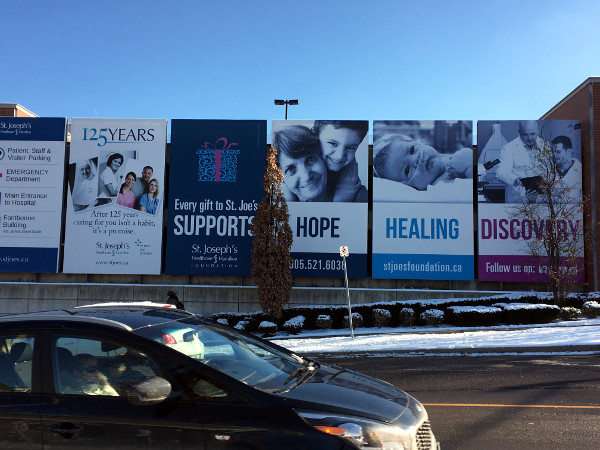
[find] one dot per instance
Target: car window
(97, 367)
(184, 340)
(198, 386)
(16, 360)
(237, 355)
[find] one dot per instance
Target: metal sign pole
(343, 253)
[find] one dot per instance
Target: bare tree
(555, 207)
(272, 242)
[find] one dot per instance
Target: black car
(148, 376)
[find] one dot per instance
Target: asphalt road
(499, 402)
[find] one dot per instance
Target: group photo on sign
(325, 182)
(121, 178)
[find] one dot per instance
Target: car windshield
(242, 357)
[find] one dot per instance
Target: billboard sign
(32, 160)
(216, 173)
(423, 200)
(325, 169)
(115, 196)
(516, 159)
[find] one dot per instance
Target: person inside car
(125, 369)
(86, 378)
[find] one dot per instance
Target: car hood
(339, 390)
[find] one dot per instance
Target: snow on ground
(585, 332)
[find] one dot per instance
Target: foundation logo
(218, 162)
(145, 249)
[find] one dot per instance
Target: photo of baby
(422, 161)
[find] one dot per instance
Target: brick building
(15, 110)
(583, 104)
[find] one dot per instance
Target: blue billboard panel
(423, 200)
(325, 169)
(32, 160)
(215, 186)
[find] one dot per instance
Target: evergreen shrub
(242, 325)
(294, 325)
(433, 317)
(527, 313)
(267, 328)
(323, 322)
(381, 317)
(406, 317)
(590, 309)
(569, 313)
(357, 320)
(473, 316)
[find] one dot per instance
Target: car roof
(146, 303)
(128, 316)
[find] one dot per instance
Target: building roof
(17, 107)
(583, 85)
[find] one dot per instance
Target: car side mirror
(149, 391)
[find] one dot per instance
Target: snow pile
(584, 332)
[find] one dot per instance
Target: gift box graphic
(218, 162)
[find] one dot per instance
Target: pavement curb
(461, 351)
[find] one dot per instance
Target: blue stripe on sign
(29, 259)
(32, 129)
(423, 267)
(329, 265)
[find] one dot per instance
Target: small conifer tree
(273, 238)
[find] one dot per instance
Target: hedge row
(527, 309)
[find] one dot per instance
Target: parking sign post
(343, 253)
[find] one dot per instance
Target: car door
(87, 404)
(236, 416)
(20, 424)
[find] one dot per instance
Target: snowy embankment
(584, 332)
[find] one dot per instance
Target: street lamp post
(286, 103)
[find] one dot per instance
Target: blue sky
(229, 59)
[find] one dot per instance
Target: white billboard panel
(115, 196)
(325, 169)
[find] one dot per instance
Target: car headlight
(361, 432)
